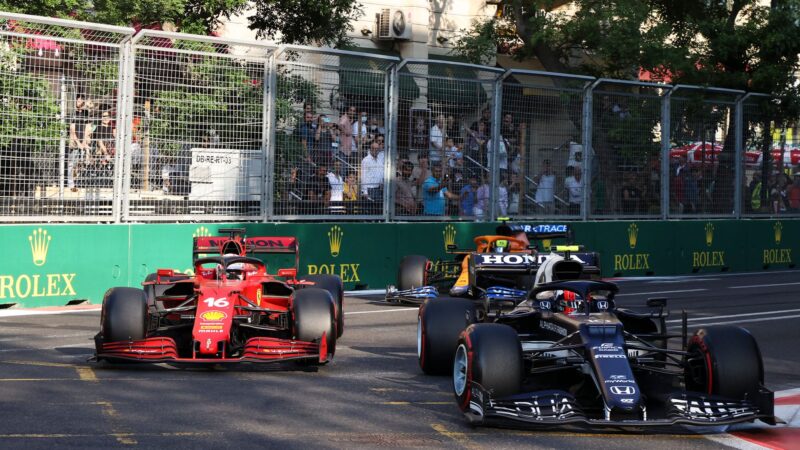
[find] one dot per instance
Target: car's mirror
(657, 302)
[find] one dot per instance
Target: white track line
(34, 312)
(376, 311)
(762, 285)
(707, 318)
(659, 292)
(737, 322)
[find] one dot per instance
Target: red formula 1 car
(231, 310)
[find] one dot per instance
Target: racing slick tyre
(332, 284)
(725, 361)
(124, 315)
(490, 355)
(439, 323)
(313, 311)
(412, 272)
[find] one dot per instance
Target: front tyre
(439, 323)
(725, 361)
(313, 313)
(332, 284)
(412, 272)
(489, 355)
(124, 315)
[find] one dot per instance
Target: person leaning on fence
(435, 193)
(78, 145)
(574, 185)
(404, 197)
(104, 137)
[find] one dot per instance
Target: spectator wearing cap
(435, 193)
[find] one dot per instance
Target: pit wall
(49, 265)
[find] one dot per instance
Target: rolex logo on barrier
(633, 234)
(708, 258)
(40, 243)
(335, 236)
(777, 255)
(449, 234)
(546, 243)
(632, 261)
(201, 232)
(709, 234)
(31, 285)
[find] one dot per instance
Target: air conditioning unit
(392, 24)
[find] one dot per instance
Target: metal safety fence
(103, 123)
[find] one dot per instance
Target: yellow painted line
(38, 363)
(416, 403)
(86, 373)
(124, 438)
(459, 438)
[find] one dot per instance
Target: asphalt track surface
(373, 395)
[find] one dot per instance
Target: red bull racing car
(231, 310)
(502, 268)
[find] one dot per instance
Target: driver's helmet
(500, 246)
(569, 302)
(235, 271)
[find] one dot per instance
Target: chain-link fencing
(59, 103)
(624, 159)
(99, 123)
(702, 151)
(449, 152)
(197, 136)
(542, 124)
(332, 127)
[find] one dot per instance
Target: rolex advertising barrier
(51, 265)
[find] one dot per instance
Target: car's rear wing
(542, 231)
(212, 245)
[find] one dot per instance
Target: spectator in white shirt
(372, 171)
(502, 153)
(437, 135)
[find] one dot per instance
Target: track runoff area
(372, 395)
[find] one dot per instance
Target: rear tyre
(333, 285)
(490, 355)
(412, 272)
(725, 361)
(124, 315)
(313, 311)
(439, 323)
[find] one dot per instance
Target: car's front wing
(414, 295)
(559, 408)
(256, 350)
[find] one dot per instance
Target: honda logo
(623, 390)
(602, 305)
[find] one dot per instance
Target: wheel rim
(419, 338)
(460, 370)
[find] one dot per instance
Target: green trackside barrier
(50, 265)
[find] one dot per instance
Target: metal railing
(99, 123)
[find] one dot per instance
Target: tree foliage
(738, 44)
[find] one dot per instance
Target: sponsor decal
(347, 272)
(335, 236)
(609, 356)
(501, 259)
(602, 305)
(623, 390)
(626, 400)
(606, 347)
(708, 258)
(449, 235)
(545, 304)
(543, 228)
(258, 297)
(632, 261)
(214, 316)
(201, 232)
(207, 328)
(616, 379)
(777, 255)
(40, 244)
(37, 285)
(546, 244)
(553, 327)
